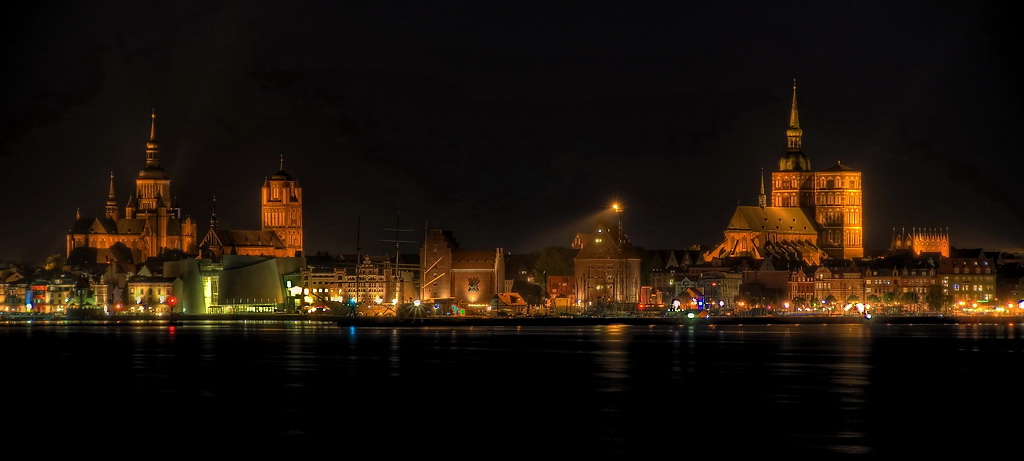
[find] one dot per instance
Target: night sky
(512, 124)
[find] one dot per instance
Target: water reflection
(613, 357)
(593, 390)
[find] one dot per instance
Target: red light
(171, 329)
(171, 300)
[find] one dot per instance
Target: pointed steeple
(762, 200)
(794, 159)
(794, 133)
(152, 147)
(213, 214)
(111, 200)
(282, 162)
(110, 195)
(130, 207)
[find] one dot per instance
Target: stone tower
(833, 196)
(282, 209)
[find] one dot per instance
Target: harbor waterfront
(875, 387)
(413, 321)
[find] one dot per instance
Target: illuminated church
(281, 218)
(813, 214)
(151, 223)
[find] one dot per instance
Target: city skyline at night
(508, 125)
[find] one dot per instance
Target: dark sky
(510, 124)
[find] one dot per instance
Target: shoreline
(345, 321)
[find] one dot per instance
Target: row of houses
(967, 281)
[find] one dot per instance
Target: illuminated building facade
(838, 284)
(919, 240)
(607, 266)
(281, 217)
(282, 209)
(470, 278)
(783, 233)
(813, 215)
(561, 290)
(371, 282)
(235, 284)
(149, 293)
(220, 242)
(801, 287)
(151, 223)
(833, 197)
(968, 277)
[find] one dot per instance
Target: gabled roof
(509, 299)
(130, 226)
(246, 238)
(94, 226)
(606, 243)
(839, 167)
(773, 219)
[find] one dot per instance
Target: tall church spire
(762, 200)
(110, 195)
(213, 214)
(152, 147)
(794, 133)
(111, 210)
(794, 159)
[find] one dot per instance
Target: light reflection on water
(814, 389)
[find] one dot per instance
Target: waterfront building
(916, 282)
(368, 283)
(801, 288)
(882, 285)
(148, 293)
(512, 303)
(968, 277)
(607, 267)
(837, 285)
(667, 267)
(1010, 284)
(58, 292)
(561, 291)
(764, 285)
(236, 284)
(466, 278)
(152, 223)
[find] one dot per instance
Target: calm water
(481, 391)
